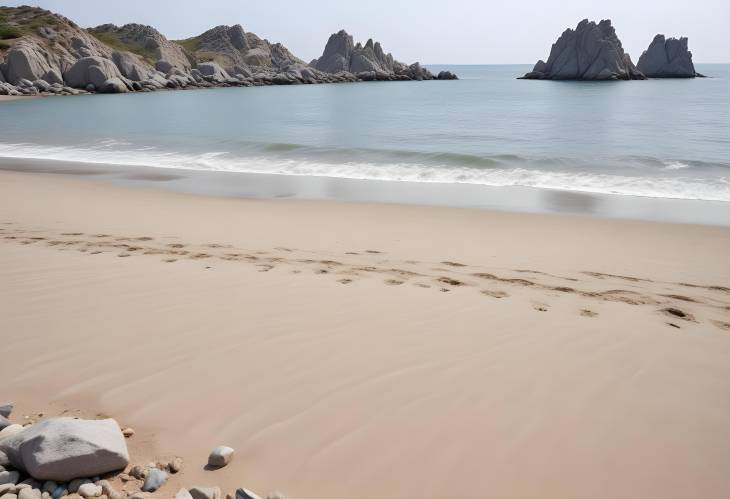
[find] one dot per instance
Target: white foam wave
(110, 152)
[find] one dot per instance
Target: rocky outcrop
(95, 71)
(63, 449)
(367, 62)
(53, 56)
(667, 58)
(231, 46)
(589, 52)
(146, 42)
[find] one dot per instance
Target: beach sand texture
(361, 350)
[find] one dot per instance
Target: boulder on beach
(62, 449)
(667, 58)
(91, 70)
(6, 408)
(589, 52)
(205, 492)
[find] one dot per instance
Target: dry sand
(7, 98)
(359, 351)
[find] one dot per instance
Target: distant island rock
(42, 53)
(667, 58)
(369, 61)
(589, 52)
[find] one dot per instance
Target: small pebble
(89, 490)
(220, 456)
(245, 494)
(74, 485)
(155, 479)
(128, 432)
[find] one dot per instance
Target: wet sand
(371, 350)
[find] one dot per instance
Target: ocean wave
(432, 167)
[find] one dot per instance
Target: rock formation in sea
(589, 52)
(667, 58)
(369, 61)
(42, 53)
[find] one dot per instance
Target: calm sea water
(659, 138)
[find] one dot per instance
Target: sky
(429, 31)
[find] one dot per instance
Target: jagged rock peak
(667, 58)
(589, 52)
(231, 46)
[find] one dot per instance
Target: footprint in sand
(170, 260)
(725, 326)
(588, 313)
(123, 255)
(495, 294)
(393, 282)
(540, 307)
(345, 281)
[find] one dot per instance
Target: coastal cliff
(667, 58)
(589, 52)
(48, 54)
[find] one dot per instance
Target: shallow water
(658, 138)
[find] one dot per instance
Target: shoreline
(312, 335)
(507, 199)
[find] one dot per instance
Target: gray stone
(26, 60)
(151, 40)
(589, 52)
(42, 85)
(245, 494)
(213, 71)
(94, 70)
(9, 477)
(74, 485)
(7, 488)
(183, 494)
(113, 86)
(131, 66)
(49, 486)
(220, 456)
(59, 491)
(62, 449)
(155, 479)
(667, 58)
(4, 422)
(9, 496)
(205, 492)
(89, 490)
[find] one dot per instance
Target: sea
(486, 140)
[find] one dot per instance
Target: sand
(365, 350)
(7, 98)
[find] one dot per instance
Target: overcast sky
(430, 31)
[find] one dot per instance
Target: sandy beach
(350, 350)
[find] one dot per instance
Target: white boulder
(62, 449)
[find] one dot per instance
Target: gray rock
(2, 80)
(9, 477)
(6, 408)
(75, 484)
(53, 77)
(205, 492)
(212, 71)
(59, 491)
(113, 86)
(150, 40)
(183, 494)
(42, 85)
(667, 58)
(89, 490)
(9, 496)
(4, 422)
(220, 456)
(29, 493)
(27, 60)
(91, 70)
(589, 52)
(7, 488)
(155, 479)
(245, 494)
(62, 449)
(446, 75)
(131, 66)
(49, 486)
